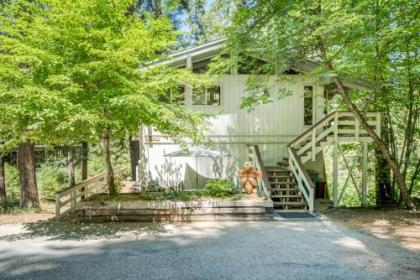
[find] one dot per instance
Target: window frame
(312, 104)
(207, 96)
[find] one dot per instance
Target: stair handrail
(265, 183)
(73, 195)
(332, 121)
(319, 123)
(304, 182)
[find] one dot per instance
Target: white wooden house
(299, 120)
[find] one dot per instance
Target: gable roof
(211, 49)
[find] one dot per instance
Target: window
(201, 66)
(308, 92)
(206, 96)
(174, 96)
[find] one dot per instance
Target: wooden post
(335, 162)
(189, 62)
(73, 199)
(364, 174)
(357, 127)
(57, 207)
(313, 143)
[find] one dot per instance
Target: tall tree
(97, 50)
(336, 34)
(33, 111)
(85, 158)
(28, 186)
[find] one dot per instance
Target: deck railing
(334, 128)
(67, 199)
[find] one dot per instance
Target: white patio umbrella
(197, 152)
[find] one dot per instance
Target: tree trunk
(106, 150)
(134, 156)
(384, 192)
(70, 167)
(85, 156)
(384, 189)
(27, 169)
(378, 141)
(2, 180)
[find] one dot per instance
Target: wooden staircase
(288, 183)
(285, 193)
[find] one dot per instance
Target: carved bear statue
(249, 177)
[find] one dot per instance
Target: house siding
(271, 126)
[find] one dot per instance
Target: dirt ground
(25, 217)
(396, 225)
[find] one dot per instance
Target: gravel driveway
(316, 249)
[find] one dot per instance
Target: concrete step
(291, 210)
(289, 203)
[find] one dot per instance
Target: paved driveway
(231, 250)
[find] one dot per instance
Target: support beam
(364, 174)
(350, 173)
(189, 62)
(335, 162)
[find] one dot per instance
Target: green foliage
(9, 205)
(12, 201)
(374, 43)
(85, 65)
(12, 182)
(74, 71)
(220, 188)
(51, 179)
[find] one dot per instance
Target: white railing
(338, 126)
(263, 182)
(66, 200)
(304, 182)
(334, 128)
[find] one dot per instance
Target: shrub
(12, 182)
(220, 188)
(10, 204)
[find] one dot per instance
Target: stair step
(286, 196)
(281, 171)
(283, 183)
(279, 176)
(284, 190)
(276, 169)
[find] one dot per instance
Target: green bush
(10, 204)
(220, 188)
(12, 182)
